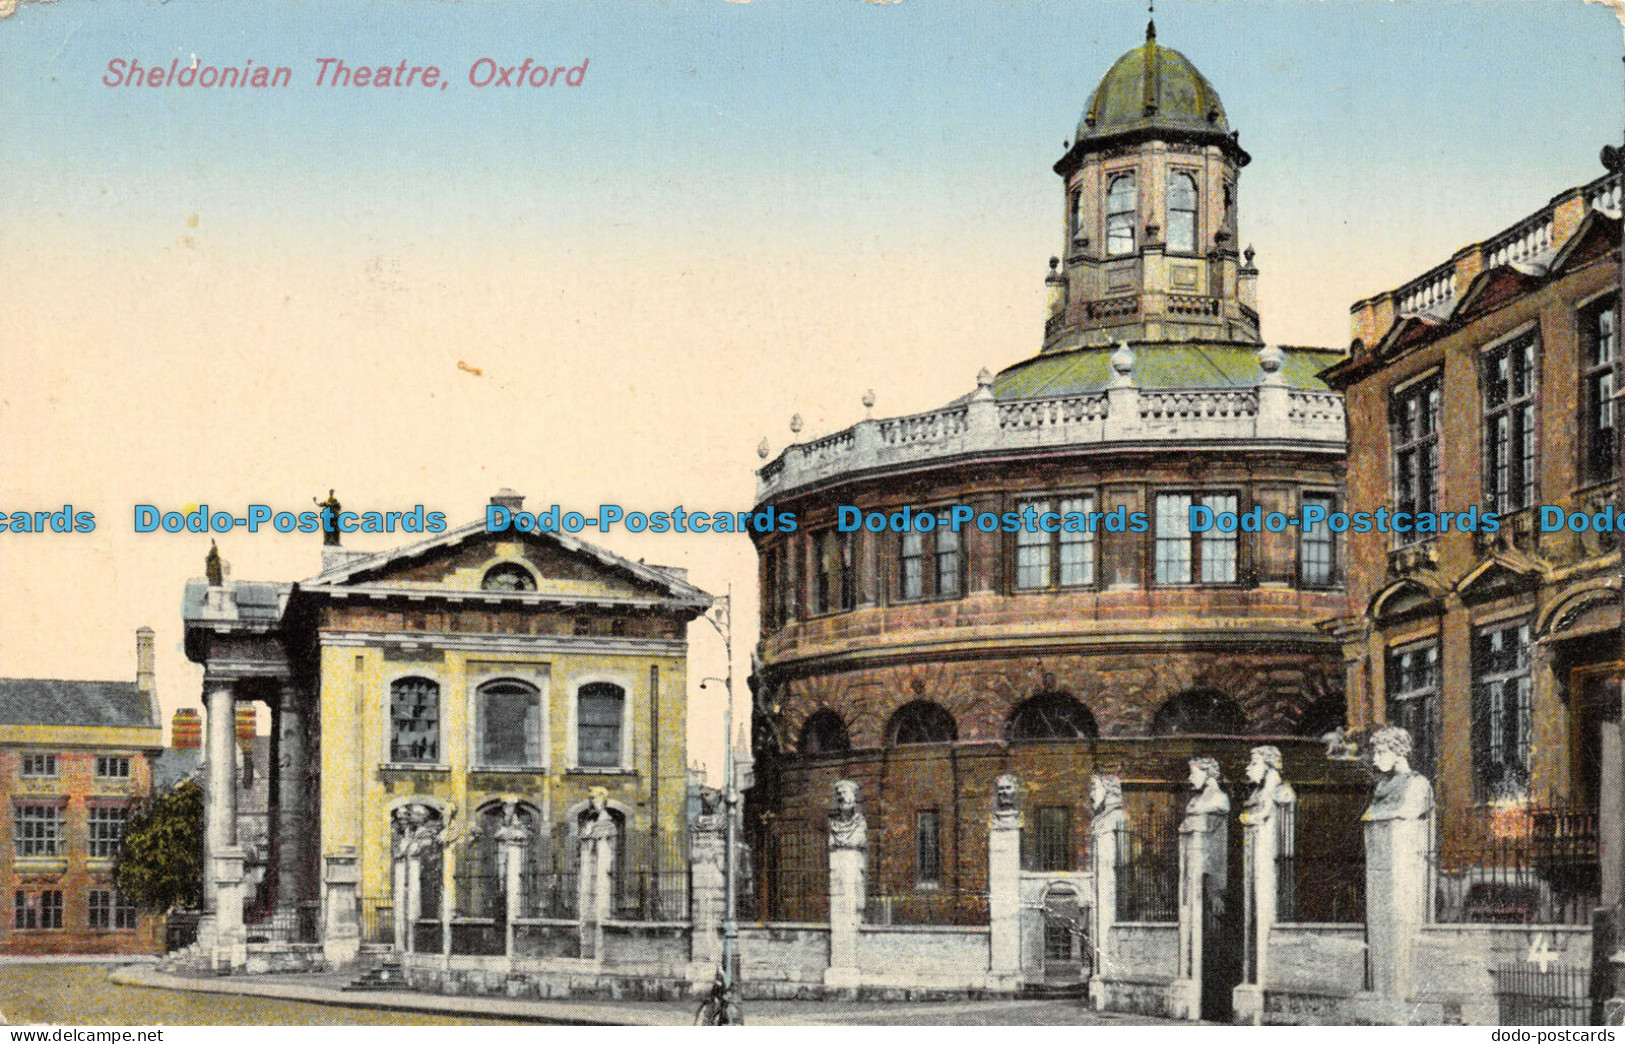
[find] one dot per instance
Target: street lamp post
(722, 623)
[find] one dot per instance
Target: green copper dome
(1152, 88)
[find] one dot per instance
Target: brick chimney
(146, 671)
(186, 730)
(247, 721)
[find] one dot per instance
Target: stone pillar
(595, 881)
(341, 928)
(228, 942)
(1122, 397)
(1203, 872)
(219, 784)
(1106, 829)
(848, 863)
(512, 851)
(1398, 841)
(1274, 419)
(401, 902)
(1269, 822)
(292, 826)
(707, 896)
(1004, 882)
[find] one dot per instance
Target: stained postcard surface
(834, 512)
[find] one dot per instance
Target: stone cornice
(1249, 633)
(514, 644)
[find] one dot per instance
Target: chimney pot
(507, 498)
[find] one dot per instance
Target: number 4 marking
(1540, 954)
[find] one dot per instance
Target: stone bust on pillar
(1105, 802)
(1006, 803)
(598, 824)
(709, 820)
(847, 827)
(1207, 783)
(1269, 790)
(1401, 792)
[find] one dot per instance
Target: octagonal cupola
(1150, 237)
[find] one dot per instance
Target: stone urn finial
(1123, 360)
(795, 424)
(762, 448)
(869, 400)
(1270, 358)
(984, 378)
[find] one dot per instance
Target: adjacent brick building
(75, 760)
(1489, 383)
(924, 664)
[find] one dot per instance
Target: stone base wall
(280, 958)
(646, 946)
(1317, 972)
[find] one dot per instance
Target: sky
(610, 293)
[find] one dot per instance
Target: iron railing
(649, 895)
(288, 925)
(1147, 875)
(794, 894)
(377, 920)
(1529, 996)
(1519, 866)
(551, 894)
(180, 929)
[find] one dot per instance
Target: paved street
(80, 994)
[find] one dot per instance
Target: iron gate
(1528, 996)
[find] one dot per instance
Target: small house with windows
(76, 760)
(438, 706)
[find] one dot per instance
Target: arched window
(921, 722)
(508, 577)
(1200, 712)
(1052, 715)
(824, 733)
(1122, 211)
(599, 709)
(1182, 213)
(509, 724)
(414, 721)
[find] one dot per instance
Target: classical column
(1106, 829)
(848, 862)
(1203, 869)
(1269, 821)
(1004, 881)
(220, 783)
(292, 822)
(1398, 839)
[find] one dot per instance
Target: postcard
(823, 513)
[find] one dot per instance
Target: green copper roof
(1152, 87)
(1189, 365)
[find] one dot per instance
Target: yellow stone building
(443, 709)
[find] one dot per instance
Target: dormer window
(1182, 214)
(508, 577)
(1122, 210)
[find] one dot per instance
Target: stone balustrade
(1430, 292)
(1521, 243)
(982, 425)
(1607, 194)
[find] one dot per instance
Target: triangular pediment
(1493, 289)
(1498, 577)
(523, 567)
(1596, 238)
